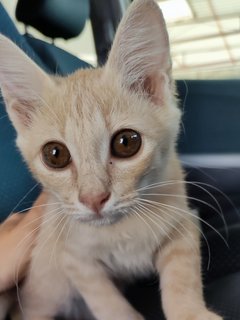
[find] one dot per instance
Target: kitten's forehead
(91, 107)
(85, 125)
(89, 92)
(93, 98)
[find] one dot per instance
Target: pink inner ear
(152, 87)
(23, 110)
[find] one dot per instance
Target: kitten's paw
(129, 316)
(206, 315)
(199, 315)
(139, 317)
(134, 316)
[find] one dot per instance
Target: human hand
(17, 239)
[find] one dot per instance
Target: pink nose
(95, 202)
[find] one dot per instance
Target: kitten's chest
(129, 257)
(124, 250)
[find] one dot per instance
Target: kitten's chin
(99, 221)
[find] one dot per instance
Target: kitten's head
(93, 137)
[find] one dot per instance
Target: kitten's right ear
(22, 83)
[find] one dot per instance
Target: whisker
(147, 224)
(49, 219)
(154, 185)
(33, 221)
(19, 263)
(172, 226)
(142, 207)
(24, 197)
(175, 211)
(193, 224)
(38, 227)
(192, 215)
(219, 212)
(183, 197)
(16, 272)
(71, 222)
(59, 219)
(200, 231)
(39, 206)
(187, 163)
(200, 186)
(57, 239)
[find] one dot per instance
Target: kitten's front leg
(102, 297)
(179, 265)
(29, 317)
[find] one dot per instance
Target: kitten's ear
(21, 81)
(140, 51)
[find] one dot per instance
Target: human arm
(17, 238)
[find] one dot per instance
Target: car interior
(209, 146)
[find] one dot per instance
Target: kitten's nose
(95, 202)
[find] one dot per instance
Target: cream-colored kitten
(102, 144)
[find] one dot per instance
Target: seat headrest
(54, 18)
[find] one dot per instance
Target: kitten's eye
(125, 143)
(56, 155)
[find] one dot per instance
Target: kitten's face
(84, 113)
(92, 139)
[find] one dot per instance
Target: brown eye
(125, 143)
(56, 155)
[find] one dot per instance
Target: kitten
(102, 144)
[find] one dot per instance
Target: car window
(204, 36)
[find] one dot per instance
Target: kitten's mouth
(101, 219)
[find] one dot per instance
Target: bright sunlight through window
(175, 10)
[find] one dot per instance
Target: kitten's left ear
(140, 51)
(22, 83)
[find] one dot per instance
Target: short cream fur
(138, 232)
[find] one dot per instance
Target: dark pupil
(56, 152)
(124, 141)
